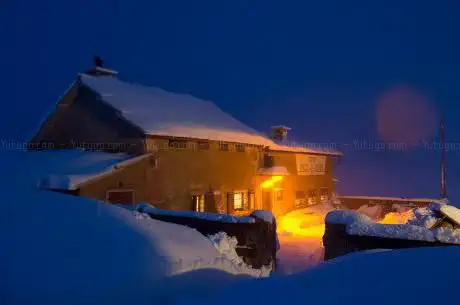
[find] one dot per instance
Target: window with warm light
(238, 201)
(323, 195)
(224, 147)
(300, 199)
(312, 197)
(198, 203)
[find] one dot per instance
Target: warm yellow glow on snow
(298, 223)
(270, 183)
(397, 218)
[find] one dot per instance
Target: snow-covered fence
(348, 231)
(256, 234)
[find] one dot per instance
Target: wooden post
(443, 161)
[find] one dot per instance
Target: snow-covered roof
(69, 169)
(274, 171)
(281, 127)
(163, 113)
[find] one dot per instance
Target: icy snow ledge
(190, 214)
(264, 215)
(346, 217)
(408, 232)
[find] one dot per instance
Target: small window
(239, 147)
(323, 195)
(204, 145)
(177, 144)
(120, 196)
(300, 195)
(155, 162)
(300, 199)
(198, 203)
(279, 195)
(312, 197)
(268, 161)
(239, 201)
(223, 146)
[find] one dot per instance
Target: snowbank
(418, 227)
(264, 215)
(373, 212)
(59, 249)
(378, 278)
(423, 217)
(400, 231)
(226, 245)
(346, 217)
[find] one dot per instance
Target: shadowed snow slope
(60, 249)
(414, 276)
(65, 250)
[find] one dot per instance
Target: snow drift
(59, 249)
(374, 277)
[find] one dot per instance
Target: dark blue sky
(316, 66)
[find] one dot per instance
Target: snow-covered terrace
(69, 169)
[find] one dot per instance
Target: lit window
(312, 197)
(223, 146)
(300, 199)
(238, 201)
(198, 203)
(177, 144)
(323, 195)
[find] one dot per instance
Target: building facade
(187, 154)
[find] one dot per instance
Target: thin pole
(443, 161)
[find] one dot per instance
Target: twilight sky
(319, 67)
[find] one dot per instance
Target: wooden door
(267, 198)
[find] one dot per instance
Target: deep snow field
(58, 249)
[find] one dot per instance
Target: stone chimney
(99, 70)
(279, 133)
(98, 62)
